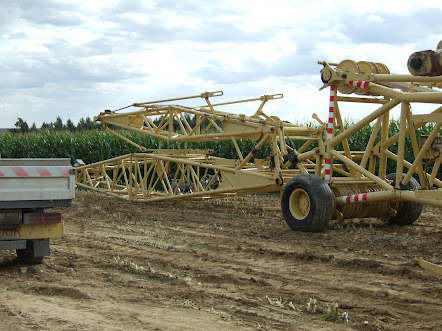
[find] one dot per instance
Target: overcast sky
(74, 59)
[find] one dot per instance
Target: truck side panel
(36, 188)
(27, 187)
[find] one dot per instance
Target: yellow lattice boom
(321, 180)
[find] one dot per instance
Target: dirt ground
(208, 266)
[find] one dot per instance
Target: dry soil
(208, 266)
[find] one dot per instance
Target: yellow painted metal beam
(33, 231)
(437, 269)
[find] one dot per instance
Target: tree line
(87, 124)
(84, 124)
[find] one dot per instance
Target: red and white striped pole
(330, 127)
(331, 113)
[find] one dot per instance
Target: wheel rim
(299, 204)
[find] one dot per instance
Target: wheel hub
(299, 204)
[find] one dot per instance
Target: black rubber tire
(317, 210)
(407, 212)
(27, 258)
(27, 255)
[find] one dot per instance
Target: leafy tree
(87, 124)
(46, 126)
(58, 125)
(70, 125)
(21, 126)
(34, 128)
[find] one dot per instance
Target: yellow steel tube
(360, 100)
(264, 97)
(202, 164)
(405, 78)
(141, 148)
(307, 155)
(399, 195)
(371, 143)
(434, 172)
(407, 164)
(415, 146)
(238, 150)
(368, 119)
(253, 152)
(384, 136)
(423, 97)
(422, 152)
(401, 145)
(412, 197)
(213, 136)
(299, 130)
(392, 140)
(202, 95)
(365, 172)
(304, 146)
(153, 156)
(345, 144)
(275, 152)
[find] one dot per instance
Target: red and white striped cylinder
(6, 171)
(327, 169)
(330, 127)
(359, 83)
(331, 113)
(354, 198)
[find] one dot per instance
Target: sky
(74, 59)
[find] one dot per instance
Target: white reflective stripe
(327, 177)
(329, 136)
(7, 172)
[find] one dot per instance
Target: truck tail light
(41, 218)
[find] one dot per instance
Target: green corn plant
(93, 146)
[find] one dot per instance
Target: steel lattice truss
(358, 179)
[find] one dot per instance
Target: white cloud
(32, 48)
(74, 59)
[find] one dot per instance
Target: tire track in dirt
(366, 265)
(236, 268)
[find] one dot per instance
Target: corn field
(94, 146)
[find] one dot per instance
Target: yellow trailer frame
(319, 181)
(161, 174)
